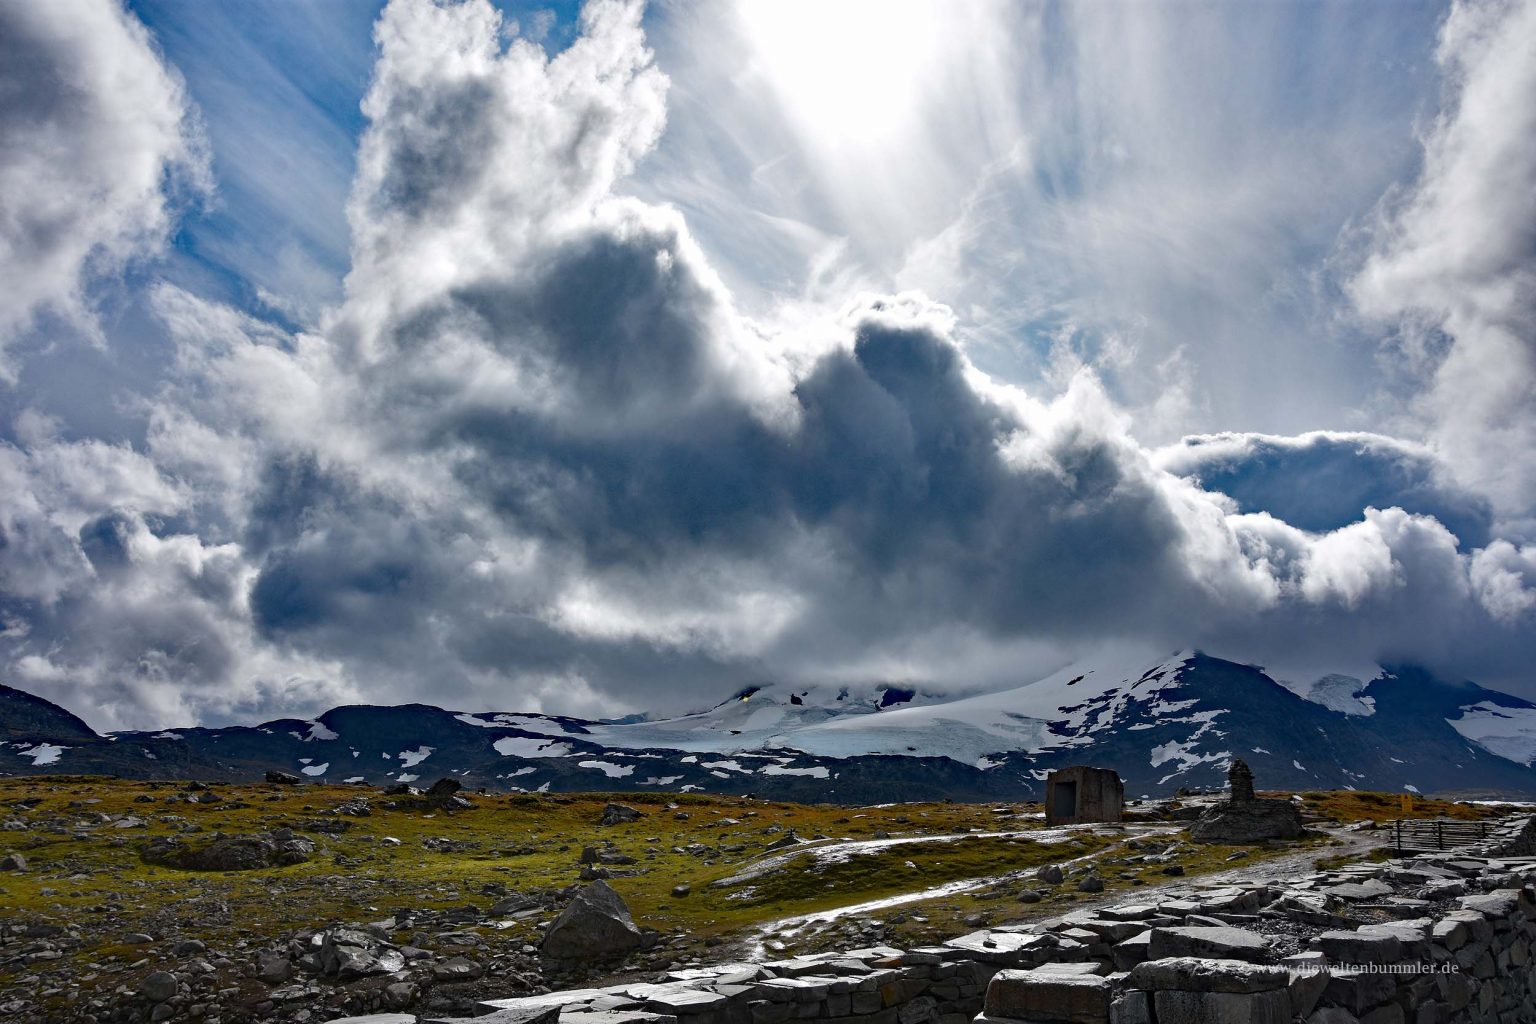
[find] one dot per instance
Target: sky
(600, 359)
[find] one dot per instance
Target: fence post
(1440, 834)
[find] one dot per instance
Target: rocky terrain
(134, 901)
(1439, 937)
(1165, 724)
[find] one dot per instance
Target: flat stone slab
(1500, 903)
(1208, 943)
(1355, 892)
(1047, 996)
(1195, 974)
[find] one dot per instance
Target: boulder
(595, 924)
(618, 814)
(158, 986)
(13, 862)
(445, 787)
(283, 778)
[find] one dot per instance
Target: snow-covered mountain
(1163, 723)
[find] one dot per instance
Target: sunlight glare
(849, 70)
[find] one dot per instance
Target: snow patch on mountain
(815, 771)
(43, 753)
(412, 758)
(530, 746)
(1505, 731)
(608, 768)
(1062, 709)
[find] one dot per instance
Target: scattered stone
(283, 778)
(13, 862)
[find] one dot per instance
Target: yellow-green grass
(1350, 806)
(519, 843)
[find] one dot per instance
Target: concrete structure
(1083, 794)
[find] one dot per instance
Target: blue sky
(598, 362)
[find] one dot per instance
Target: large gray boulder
(619, 814)
(595, 924)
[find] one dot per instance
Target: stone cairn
(1240, 778)
(1244, 818)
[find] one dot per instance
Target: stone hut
(1244, 818)
(1082, 794)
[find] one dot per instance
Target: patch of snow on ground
(405, 777)
(815, 771)
(166, 736)
(316, 769)
(1298, 766)
(412, 758)
(355, 778)
(1508, 732)
(44, 753)
(1411, 789)
(661, 780)
(530, 746)
(729, 766)
(318, 731)
(608, 768)
(529, 770)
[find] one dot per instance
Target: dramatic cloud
(1322, 480)
(1456, 257)
(96, 128)
(538, 457)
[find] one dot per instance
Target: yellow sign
(1405, 802)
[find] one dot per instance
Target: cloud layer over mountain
(537, 457)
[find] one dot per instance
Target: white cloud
(1455, 257)
(96, 128)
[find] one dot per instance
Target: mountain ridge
(1164, 724)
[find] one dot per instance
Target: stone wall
(1432, 939)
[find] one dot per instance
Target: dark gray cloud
(1322, 481)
